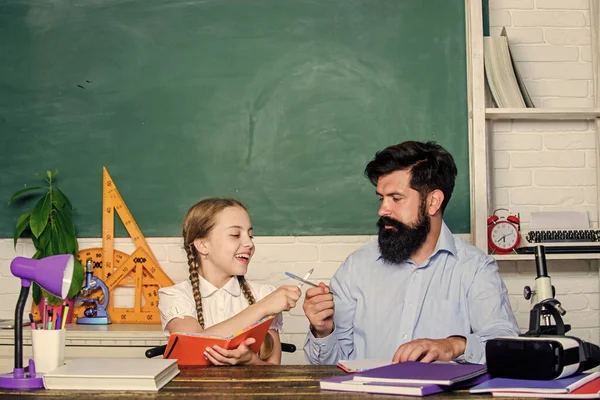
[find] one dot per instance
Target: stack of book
(502, 76)
(581, 386)
(410, 379)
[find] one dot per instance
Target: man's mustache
(387, 221)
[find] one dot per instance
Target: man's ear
(201, 247)
(434, 201)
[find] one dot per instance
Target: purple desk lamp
(54, 274)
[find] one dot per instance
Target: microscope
(543, 352)
(96, 313)
(544, 305)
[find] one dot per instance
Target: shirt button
(410, 304)
(404, 337)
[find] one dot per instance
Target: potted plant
(50, 226)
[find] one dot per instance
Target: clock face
(504, 235)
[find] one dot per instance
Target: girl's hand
(282, 299)
(241, 356)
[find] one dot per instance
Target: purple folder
(348, 384)
(423, 373)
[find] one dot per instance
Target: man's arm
(330, 339)
(490, 312)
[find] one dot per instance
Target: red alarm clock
(503, 233)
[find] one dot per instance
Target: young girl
(217, 237)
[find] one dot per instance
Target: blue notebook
(564, 385)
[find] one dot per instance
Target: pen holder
(48, 347)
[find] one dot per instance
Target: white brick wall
(539, 166)
(536, 166)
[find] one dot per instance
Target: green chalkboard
(279, 103)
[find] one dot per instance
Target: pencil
(305, 281)
(64, 317)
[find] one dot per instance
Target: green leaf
(49, 175)
(36, 243)
(40, 215)
(22, 191)
(52, 300)
(37, 255)
(22, 224)
(59, 194)
(78, 278)
(59, 239)
(66, 222)
(44, 239)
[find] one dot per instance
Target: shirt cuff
(319, 350)
(474, 350)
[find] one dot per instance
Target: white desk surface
(112, 332)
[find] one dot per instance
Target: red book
(188, 348)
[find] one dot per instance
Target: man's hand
(318, 307)
(429, 350)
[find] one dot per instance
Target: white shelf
(542, 113)
(574, 256)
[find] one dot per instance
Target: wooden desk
(285, 381)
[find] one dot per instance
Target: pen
(306, 277)
(305, 281)
(33, 326)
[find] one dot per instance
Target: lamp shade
(53, 274)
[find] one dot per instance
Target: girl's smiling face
(227, 250)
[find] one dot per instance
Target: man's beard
(397, 244)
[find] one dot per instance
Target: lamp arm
(19, 324)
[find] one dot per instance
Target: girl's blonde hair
(197, 224)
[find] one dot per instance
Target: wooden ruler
(112, 201)
(140, 270)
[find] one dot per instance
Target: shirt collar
(232, 287)
(445, 241)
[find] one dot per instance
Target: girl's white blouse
(218, 304)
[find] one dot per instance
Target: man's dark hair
(430, 165)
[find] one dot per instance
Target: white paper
(547, 220)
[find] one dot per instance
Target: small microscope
(96, 313)
(544, 306)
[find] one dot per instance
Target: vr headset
(540, 358)
(544, 352)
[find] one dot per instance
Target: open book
(352, 366)
(188, 348)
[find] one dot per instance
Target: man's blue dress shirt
(380, 306)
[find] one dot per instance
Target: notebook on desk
(112, 374)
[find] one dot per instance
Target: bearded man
(419, 293)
